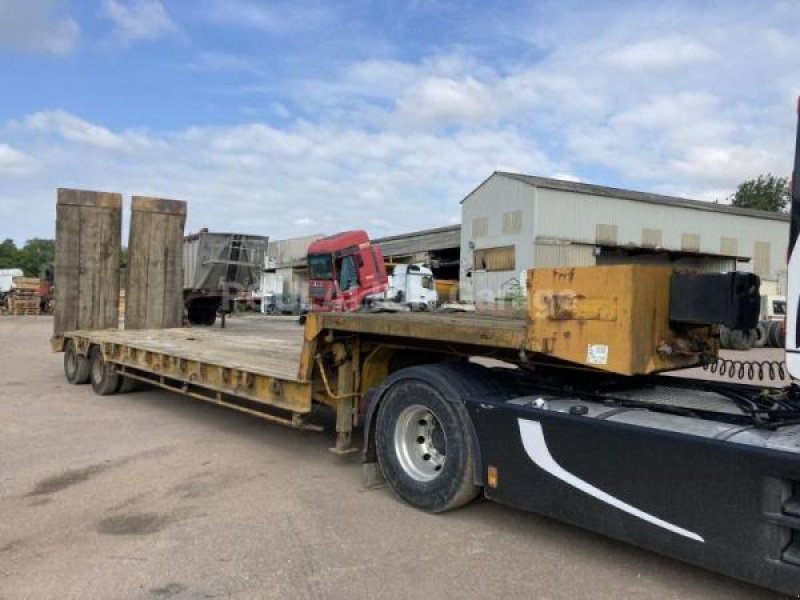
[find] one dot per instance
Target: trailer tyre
(76, 367)
(423, 445)
(761, 334)
(103, 375)
(127, 385)
(202, 312)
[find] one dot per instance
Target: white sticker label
(597, 354)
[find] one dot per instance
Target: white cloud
(440, 100)
(14, 163)
(282, 182)
(616, 99)
(138, 19)
(665, 53)
(74, 129)
(37, 26)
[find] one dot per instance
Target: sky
(288, 118)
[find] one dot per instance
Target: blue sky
(291, 118)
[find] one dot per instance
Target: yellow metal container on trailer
(612, 318)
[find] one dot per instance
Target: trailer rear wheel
(423, 445)
(76, 367)
(127, 385)
(103, 375)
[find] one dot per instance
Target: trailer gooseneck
(584, 429)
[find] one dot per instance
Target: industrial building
(514, 222)
(438, 247)
(285, 277)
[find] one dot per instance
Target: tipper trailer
(579, 424)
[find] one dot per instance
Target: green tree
(36, 257)
(8, 254)
(766, 192)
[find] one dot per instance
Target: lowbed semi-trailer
(579, 424)
(705, 472)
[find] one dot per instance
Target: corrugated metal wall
(579, 217)
(540, 215)
(562, 255)
(505, 212)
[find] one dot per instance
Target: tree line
(765, 192)
(35, 257)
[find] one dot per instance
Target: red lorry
(345, 271)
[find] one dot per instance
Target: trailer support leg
(344, 428)
(345, 410)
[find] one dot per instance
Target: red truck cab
(344, 270)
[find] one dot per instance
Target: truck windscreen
(320, 266)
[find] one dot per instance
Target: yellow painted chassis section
(623, 308)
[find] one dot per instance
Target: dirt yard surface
(152, 495)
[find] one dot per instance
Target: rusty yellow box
(612, 318)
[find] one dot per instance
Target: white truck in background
(413, 287)
(7, 280)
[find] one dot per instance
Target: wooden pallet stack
(24, 298)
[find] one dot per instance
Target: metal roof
(600, 190)
(438, 238)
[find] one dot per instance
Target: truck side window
(348, 276)
(427, 282)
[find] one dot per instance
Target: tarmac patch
(167, 591)
(10, 546)
(40, 501)
(56, 483)
(134, 524)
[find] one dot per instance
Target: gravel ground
(152, 495)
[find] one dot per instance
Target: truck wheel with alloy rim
(76, 367)
(103, 375)
(423, 444)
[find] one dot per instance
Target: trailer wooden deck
(455, 328)
(209, 364)
(255, 354)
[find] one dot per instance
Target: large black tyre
(103, 375)
(127, 385)
(741, 340)
(780, 335)
(724, 337)
(76, 367)
(202, 312)
(210, 316)
(774, 334)
(435, 394)
(761, 334)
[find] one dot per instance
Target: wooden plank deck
(457, 328)
(255, 354)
